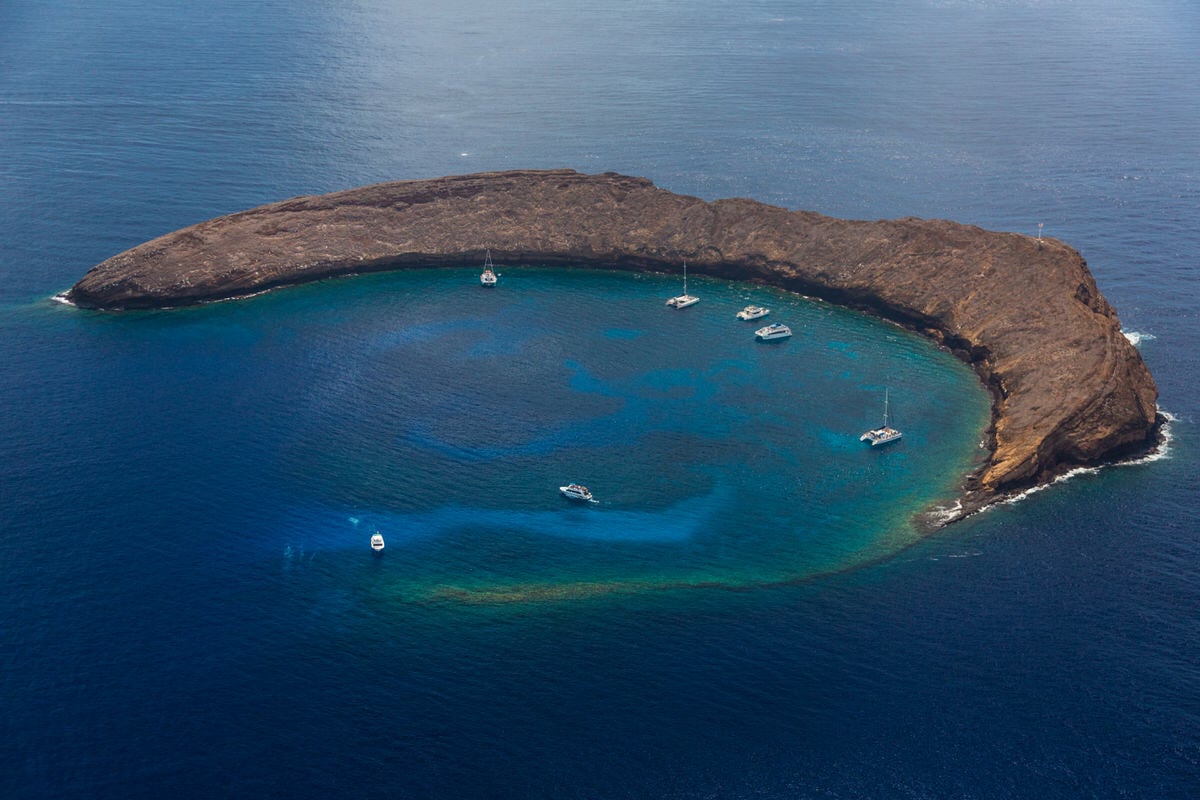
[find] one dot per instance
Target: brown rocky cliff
(1068, 387)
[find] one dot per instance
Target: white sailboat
(488, 277)
(684, 300)
(883, 434)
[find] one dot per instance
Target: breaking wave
(1136, 337)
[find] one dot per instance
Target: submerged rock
(1068, 388)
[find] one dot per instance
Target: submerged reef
(1068, 388)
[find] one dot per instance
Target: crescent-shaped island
(1068, 388)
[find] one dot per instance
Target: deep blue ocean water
(188, 605)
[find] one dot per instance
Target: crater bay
(191, 607)
(446, 414)
(1068, 388)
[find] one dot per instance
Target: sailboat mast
(685, 276)
(885, 407)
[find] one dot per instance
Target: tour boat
(488, 278)
(753, 312)
(573, 491)
(883, 434)
(684, 300)
(773, 332)
(377, 541)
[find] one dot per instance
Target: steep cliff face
(1068, 387)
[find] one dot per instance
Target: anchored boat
(575, 491)
(488, 277)
(884, 433)
(753, 312)
(684, 300)
(772, 332)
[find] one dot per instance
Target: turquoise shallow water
(445, 415)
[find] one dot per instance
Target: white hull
(576, 492)
(377, 542)
(683, 301)
(488, 277)
(773, 332)
(883, 434)
(753, 312)
(880, 436)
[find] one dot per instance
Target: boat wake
(966, 554)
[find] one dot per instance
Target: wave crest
(1137, 337)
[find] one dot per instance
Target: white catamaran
(684, 300)
(884, 433)
(488, 277)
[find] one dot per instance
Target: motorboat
(772, 332)
(753, 312)
(574, 491)
(884, 433)
(684, 300)
(488, 277)
(377, 541)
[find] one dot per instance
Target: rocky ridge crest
(1068, 388)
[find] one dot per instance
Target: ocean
(188, 603)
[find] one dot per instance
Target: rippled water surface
(189, 606)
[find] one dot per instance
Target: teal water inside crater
(445, 415)
(188, 603)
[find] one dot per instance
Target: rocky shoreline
(1068, 388)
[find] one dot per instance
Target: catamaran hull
(683, 301)
(880, 437)
(773, 333)
(750, 313)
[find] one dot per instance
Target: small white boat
(488, 277)
(684, 300)
(574, 491)
(753, 312)
(878, 436)
(377, 541)
(772, 332)
(884, 433)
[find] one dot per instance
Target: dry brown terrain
(1068, 388)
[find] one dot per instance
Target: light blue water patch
(330, 531)
(459, 442)
(158, 470)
